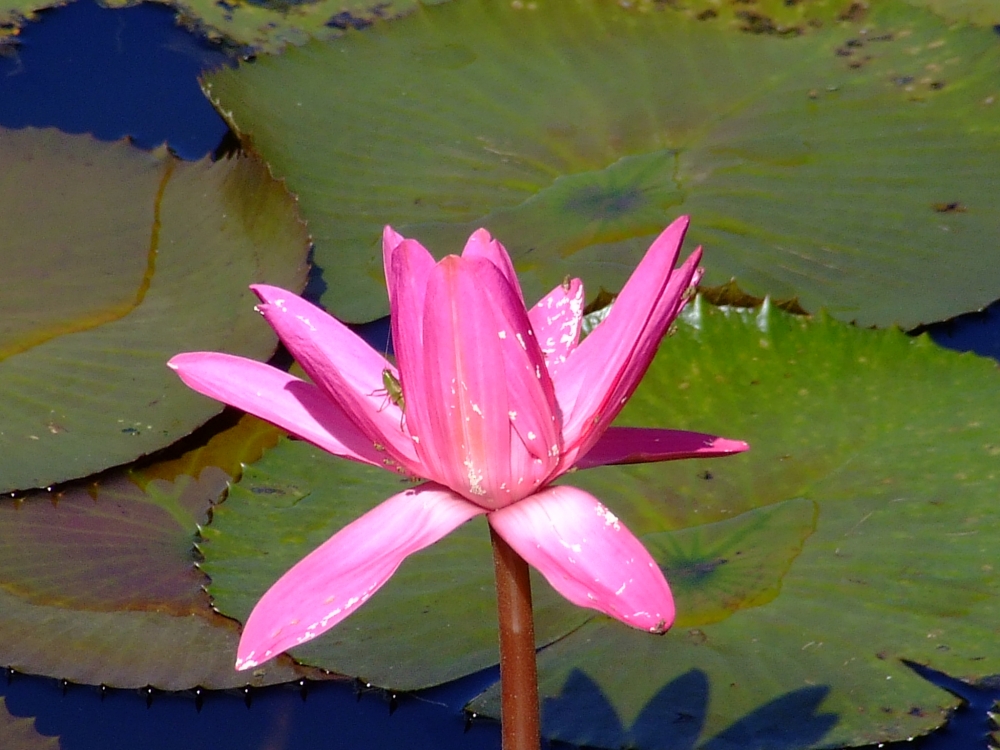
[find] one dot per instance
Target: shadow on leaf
(673, 719)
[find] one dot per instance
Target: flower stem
(518, 672)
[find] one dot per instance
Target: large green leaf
(858, 531)
(113, 260)
(99, 583)
(849, 158)
(434, 621)
(982, 12)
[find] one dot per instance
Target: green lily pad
(858, 531)
(720, 568)
(99, 582)
(981, 12)
(114, 260)
(849, 157)
(271, 25)
(433, 622)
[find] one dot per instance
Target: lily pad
(858, 531)
(981, 12)
(849, 157)
(114, 260)
(271, 25)
(99, 582)
(433, 622)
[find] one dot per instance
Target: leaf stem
(518, 671)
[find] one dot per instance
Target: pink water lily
(497, 402)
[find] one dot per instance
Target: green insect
(393, 389)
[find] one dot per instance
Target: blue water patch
(337, 715)
(113, 73)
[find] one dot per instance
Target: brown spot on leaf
(854, 12)
(730, 294)
(949, 208)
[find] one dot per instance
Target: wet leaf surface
(856, 532)
(99, 582)
(766, 129)
(115, 260)
(433, 622)
(801, 569)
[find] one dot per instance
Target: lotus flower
(496, 401)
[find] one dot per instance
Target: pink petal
(482, 245)
(588, 556)
(391, 239)
(637, 445)
(605, 369)
(336, 578)
(529, 385)
(408, 271)
(342, 365)
(465, 442)
(280, 398)
(556, 321)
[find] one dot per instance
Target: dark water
(129, 72)
(320, 715)
(133, 73)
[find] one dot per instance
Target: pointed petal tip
(243, 664)
(588, 556)
(671, 238)
(661, 627)
(390, 238)
(339, 576)
(479, 243)
(267, 293)
(729, 446)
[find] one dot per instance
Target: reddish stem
(518, 672)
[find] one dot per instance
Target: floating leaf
(858, 530)
(982, 12)
(720, 568)
(851, 159)
(434, 621)
(114, 260)
(270, 25)
(801, 569)
(98, 582)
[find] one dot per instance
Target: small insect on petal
(393, 388)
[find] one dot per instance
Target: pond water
(133, 72)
